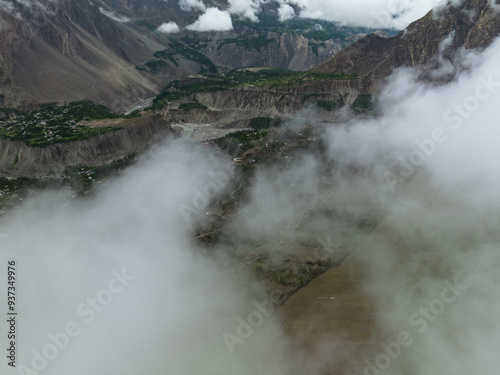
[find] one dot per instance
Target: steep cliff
(234, 108)
(285, 50)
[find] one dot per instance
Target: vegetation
(155, 66)
(180, 49)
(53, 124)
(194, 41)
(362, 103)
(133, 114)
(236, 78)
(190, 106)
(259, 123)
(147, 25)
(315, 46)
(240, 141)
(329, 105)
(80, 179)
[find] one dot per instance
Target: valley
(267, 179)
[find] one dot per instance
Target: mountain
(70, 50)
(446, 29)
(110, 51)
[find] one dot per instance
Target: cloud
(119, 279)
(286, 12)
(8, 7)
(212, 20)
(188, 5)
(430, 157)
(373, 13)
(168, 28)
(245, 8)
(114, 16)
(368, 13)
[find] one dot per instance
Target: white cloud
(114, 16)
(168, 28)
(495, 5)
(169, 300)
(286, 12)
(443, 216)
(213, 20)
(372, 13)
(245, 8)
(9, 8)
(188, 5)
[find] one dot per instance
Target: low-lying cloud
(431, 266)
(116, 285)
(375, 13)
(213, 19)
(188, 5)
(114, 16)
(168, 28)
(123, 289)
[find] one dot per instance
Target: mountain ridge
(472, 25)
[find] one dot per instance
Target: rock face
(289, 51)
(69, 50)
(19, 160)
(474, 24)
(236, 107)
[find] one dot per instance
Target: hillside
(112, 53)
(473, 25)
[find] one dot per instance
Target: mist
(430, 267)
(115, 284)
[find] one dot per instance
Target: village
(53, 124)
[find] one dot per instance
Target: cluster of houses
(12, 124)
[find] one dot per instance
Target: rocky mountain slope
(107, 50)
(347, 80)
(69, 50)
(473, 24)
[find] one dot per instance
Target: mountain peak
(472, 25)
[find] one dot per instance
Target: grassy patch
(272, 77)
(190, 106)
(133, 114)
(147, 25)
(363, 102)
(180, 49)
(259, 123)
